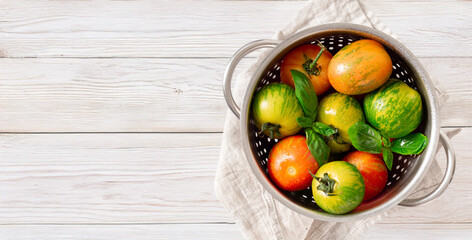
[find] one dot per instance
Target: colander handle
(243, 51)
(451, 165)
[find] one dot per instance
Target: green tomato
(395, 109)
(277, 105)
(338, 187)
(340, 111)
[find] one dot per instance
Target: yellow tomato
(340, 111)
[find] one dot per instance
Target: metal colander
(406, 171)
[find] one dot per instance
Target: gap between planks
(197, 223)
(190, 58)
(196, 132)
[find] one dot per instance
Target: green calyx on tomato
(326, 184)
(365, 138)
(338, 187)
(272, 128)
(311, 66)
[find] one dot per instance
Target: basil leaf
(304, 122)
(411, 144)
(365, 138)
(317, 146)
(306, 94)
(388, 157)
(324, 129)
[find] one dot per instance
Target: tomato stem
(313, 63)
(338, 139)
(311, 67)
(326, 184)
(272, 128)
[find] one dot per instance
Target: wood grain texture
(151, 178)
(153, 95)
(185, 29)
(214, 231)
(112, 232)
(113, 178)
(111, 95)
(419, 231)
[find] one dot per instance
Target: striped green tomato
(395, 109)
(340, 111)
(277, 105)
(338, 187)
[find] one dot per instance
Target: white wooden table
(111, 114)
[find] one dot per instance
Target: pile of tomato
(341, 146)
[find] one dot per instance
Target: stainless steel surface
(407, 171)
(233, 62)
(451, 165)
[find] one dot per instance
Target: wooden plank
(426, 33)
(111, 95)
(419, 231)
(113, 178)
(108, 232)
(453, 75)
(149, 28)
(152, 95)
(152, 178)
(215, 231)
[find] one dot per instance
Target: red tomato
(289, 164)
(299, 59)
(373, 170)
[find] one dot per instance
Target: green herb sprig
(367, 139)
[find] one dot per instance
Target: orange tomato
(299, 59)
(360, 67)
(289, 164)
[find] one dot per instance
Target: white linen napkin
(256, 212)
